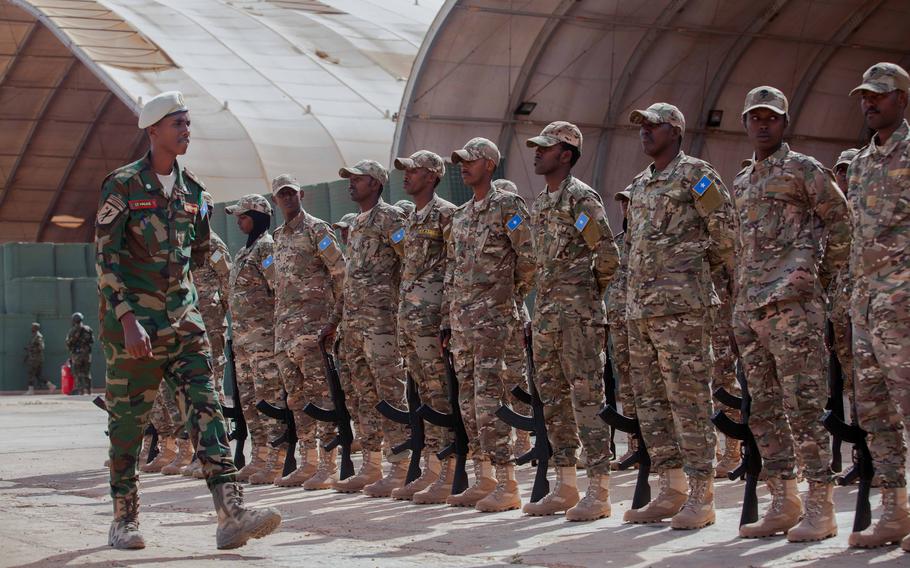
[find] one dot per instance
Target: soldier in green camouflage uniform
(576, 259)
(79, 343)
(679, 242)
(309, 267)
(879, 194)
(149, 228)
(34, 360)
(784, 200)
(370, 309)
(489, 266)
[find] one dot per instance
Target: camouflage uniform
(34, 359)
(79, 342)
(165, 415)
(145, 241)
(489, 264)
(211, 281)
(784, 203)
(617, 330)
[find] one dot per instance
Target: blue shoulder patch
(205, 208)
(268, 261)
(514, 222)
(582, 222)
(325, 242)
(702, 186)
(398, 236)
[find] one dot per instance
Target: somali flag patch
(268, 261)
(205, 208)
(398, 236)
(514, 222)
(582, 222)
(702, 186)
(325, 242)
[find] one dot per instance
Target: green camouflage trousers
(783, 354)
(81, 365)
(420, 351)
(131, 387)
(670, 362)
(569, 361)
(259, 379)
(303, 377)
(619, 355)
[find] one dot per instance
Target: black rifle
(240, 432)
(454, 421)
(150, 430)
(541, 451)
(611, 416)
(610, 387)
(751, 464)
(412, 419)
(339, 415)
(289, 436)
(835, 403)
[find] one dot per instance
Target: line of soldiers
(79, 341)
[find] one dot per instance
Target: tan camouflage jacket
(786, 204)
(879, 194)
(680, 230)
(309, 267)
(423, 266)
(616, 291)
(374, 266)
(489, 262)
(211, 281)
(575, 254)
(252, 297)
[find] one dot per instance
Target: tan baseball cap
(884, 78)
(422, 159)
(251, 202)
(623, 195)
(284, 180)
(769, 98)
(556, 132)
(505, 185)
(370, 168)
(345, 221)
(159, 106)
(660, 113)
(846, 156)
(477, 149)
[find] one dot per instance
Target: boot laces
(697, 489)
(777, 498)
(234, 494)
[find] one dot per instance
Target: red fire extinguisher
(66, 378)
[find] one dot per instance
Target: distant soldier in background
(34, 359)
(79, 342)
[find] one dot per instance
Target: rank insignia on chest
(702, 186)
(137, 204)
(268, 261)
(582, 222)
(398, 236)
(191, 208)
(514, 222)
(325, 243)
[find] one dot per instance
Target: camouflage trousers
(881, 357)
(303, 377)
(670, 361)
(569, 361)
(619, 356)
(258, 378)
(482, 389)
(843, 346)
(81, 366)
(351, 398)
(783, 354)
(516, 373)
(219, 359)
(375, 375)
(724, 372)
(165, 415)
(34, 372)
(131, 388)
(420, 351)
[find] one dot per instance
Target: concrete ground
(55, 511)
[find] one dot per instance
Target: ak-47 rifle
(611, 416)
(610, 387)
(339, 415)
(454, 421)
(240, 432)
(541, 451)
(289, 436)
(835, 403)
(412, 419)
(150, 430)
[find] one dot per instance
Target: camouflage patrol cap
(160, 106)
(846, 157)
(406, 206)
(505, 185)
(660, 113)
(769, 98)
(884, 78)
(251, 202)
(477, 149)
(422, 159)
(345, 221)
(370, 168)
(284, 180)
(556, 132)
(623, 195)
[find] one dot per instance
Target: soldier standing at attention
(576, 259)
(879, 193)
(370, 309)
(148, 230)
(309, 269)
(79, 343)
(681, 233)
(489, 265)
(34, 360)
(423, 268)
(782, 199)
(252, 301)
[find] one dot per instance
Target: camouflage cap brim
(348, 172)
(404, 164)
(542, 142)
(232, 209)
(290, 185)
(341, 224)
(462, 155)
(874, 87)
(642, 116)
(778, 110)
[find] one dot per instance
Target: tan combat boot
(596, 503)
(144, 452)
(632, 448)
(698, 511)
(236, 523)
(819, 522)
(892, 526)
(562, 497)
(184, 457)
(505, 497)
(370, 472)
(670, 499)
(439, 490)
(167, 451)
(306, 468)
(190, 469)
(782, 515)
(430, 474)
(395, 478)
(271, 472)
(522, 442)
(325, 474)
(257, 461)
(124, 532)
(484, 484)
(729, 460)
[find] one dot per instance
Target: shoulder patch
(582, 221)
(398, 236)
(267, 262)
(702, 186)
(110, 209)
(205, 208)
(514, 222)
(325, 243)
